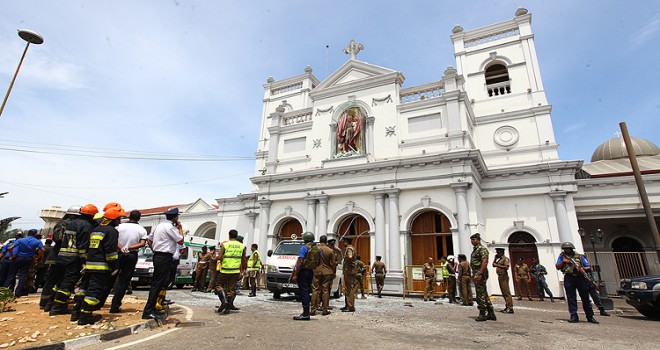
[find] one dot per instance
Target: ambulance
(280, 265)
(144, 269)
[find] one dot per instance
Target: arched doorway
(290, 227)
(356, 227)
(522, 245)
(430, 236)
(628, 261)
(207, 230)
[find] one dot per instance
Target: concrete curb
(97, 338)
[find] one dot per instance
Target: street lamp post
(31, 38)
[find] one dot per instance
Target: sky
(154, 103)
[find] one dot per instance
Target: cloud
(647, 32)
(574, 127)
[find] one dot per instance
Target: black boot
(552, 300)
(223, 302)
(229, 305)
(304, 316)
(86, 317)
(253, 291)
(232, 307)
(75, 313)
(491, 314)
(48, 304)
(60, 306)
(482, 316)
(603, 312)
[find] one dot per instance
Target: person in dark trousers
(101, 264)
(56, 272)
(45, 263)
(163, 241)
(70, 258)
(30, 249)
(5, 263)
(132, 237)
(308, 259)
(574, 267)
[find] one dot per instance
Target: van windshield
(288, 248)
(146, 253)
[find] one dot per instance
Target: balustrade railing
(298, 118)
(421, 92)
(498, 89)
(492, 37)
(287, 88)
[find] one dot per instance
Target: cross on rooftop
(353, 49)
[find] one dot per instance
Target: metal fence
(615, 266)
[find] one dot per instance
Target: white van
(280, 265)
(144, 269)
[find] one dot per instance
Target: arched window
(497, 80)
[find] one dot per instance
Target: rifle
(583, 273)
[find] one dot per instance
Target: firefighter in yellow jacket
(102, 263)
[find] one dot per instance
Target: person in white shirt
(132, 237)
(163, 241)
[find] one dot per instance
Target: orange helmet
(110, 205)
(89, 209)
(114, 212)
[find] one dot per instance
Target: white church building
(412, 172)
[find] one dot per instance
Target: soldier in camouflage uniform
(538, 273)
(594, 293)
(359, 278)
(478, 263)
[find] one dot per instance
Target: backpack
(361, 268)
(313, 257)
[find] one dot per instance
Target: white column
(463, 217)
(311, 216)
(370, 135)
(380, 222)
(264, 223)
(274, 139)
(249, 236)
(563, 225)
(394, 256)
(322, 221)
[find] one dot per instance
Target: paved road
(392, 323)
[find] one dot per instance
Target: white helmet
(451, 257)
(73, 210)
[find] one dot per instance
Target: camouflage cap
(240, 238)
(476, 235)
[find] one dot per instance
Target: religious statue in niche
(350, 133)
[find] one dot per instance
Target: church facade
(412, 172)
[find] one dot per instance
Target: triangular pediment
(198, 206)
(352, 71)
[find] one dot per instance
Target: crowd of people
(92, 254)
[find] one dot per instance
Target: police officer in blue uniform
(29, 250)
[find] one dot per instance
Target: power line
(111, 153)
(30, 186)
